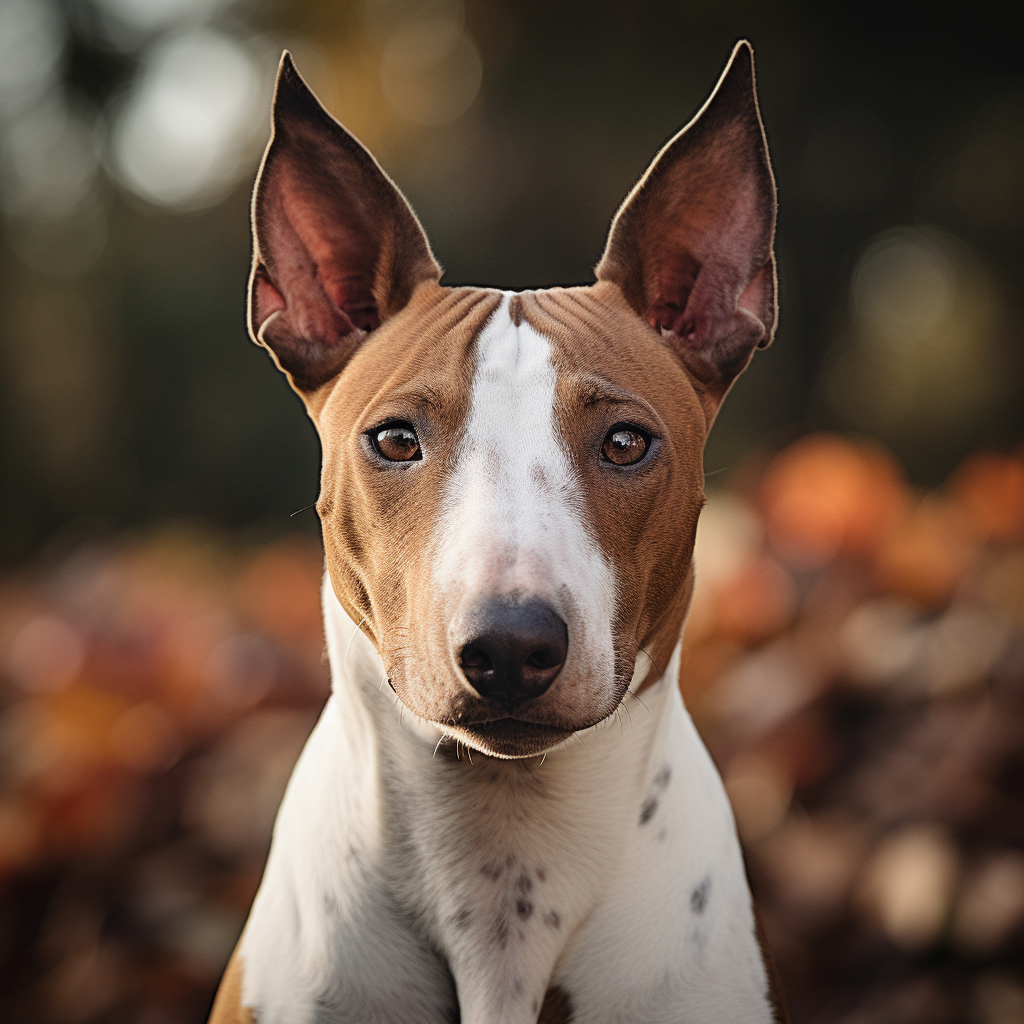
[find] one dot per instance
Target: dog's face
(511, 483)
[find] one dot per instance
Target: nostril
(475, 663)
(544, 658)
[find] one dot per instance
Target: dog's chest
(500, 862)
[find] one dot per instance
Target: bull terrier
(504, 814)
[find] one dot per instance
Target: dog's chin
(510, 738)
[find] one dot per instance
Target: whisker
(543, 757)
(646, 708)
(439, 742)
(647, 654)
(305, 508)
(348, 646)
(469, 753)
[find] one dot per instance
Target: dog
(504, 814)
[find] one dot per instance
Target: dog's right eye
(625, 444)
(396, 442)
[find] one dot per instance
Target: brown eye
(397, 442)
(625, 444)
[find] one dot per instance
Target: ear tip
(289, 81)
(286, 66)
(735, 93)
(292, 96)
(741, 61)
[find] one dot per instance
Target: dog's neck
(498, 861)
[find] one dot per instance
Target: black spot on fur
(540, 875)
(523, 883)
(699, 896)
(553, 919)
(524, 908)
(491, 871)
(462, 918)
(662, 778)
(557, 1007)
(648, 810)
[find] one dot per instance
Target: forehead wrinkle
(591, 389)
(418, 394)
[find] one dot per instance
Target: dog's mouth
(510, 737)
(528, 730)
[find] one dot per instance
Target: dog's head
(511, 484)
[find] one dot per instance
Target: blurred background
(855, 657)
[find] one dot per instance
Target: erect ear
(336, 248)
(691, 247)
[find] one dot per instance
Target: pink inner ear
(268, 301)
(675, 274)
(343, 253)
(758, 297)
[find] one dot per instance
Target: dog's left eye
(625, 444)
(396, 442)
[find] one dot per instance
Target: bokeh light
(430, 68)
(191, 121)
(31, 42)
(151, 15)
(925, 352)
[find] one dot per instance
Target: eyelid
(390, 421)
(632, 428)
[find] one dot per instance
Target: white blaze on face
(513, 522)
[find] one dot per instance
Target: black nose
(515, 650)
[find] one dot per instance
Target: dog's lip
(484, 716)
(510, 737)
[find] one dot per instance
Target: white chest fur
(409, 885)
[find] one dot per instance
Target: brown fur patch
(557, 1007)
(776, 993)
(227, 1005)
(379, 519)
(613, 368)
